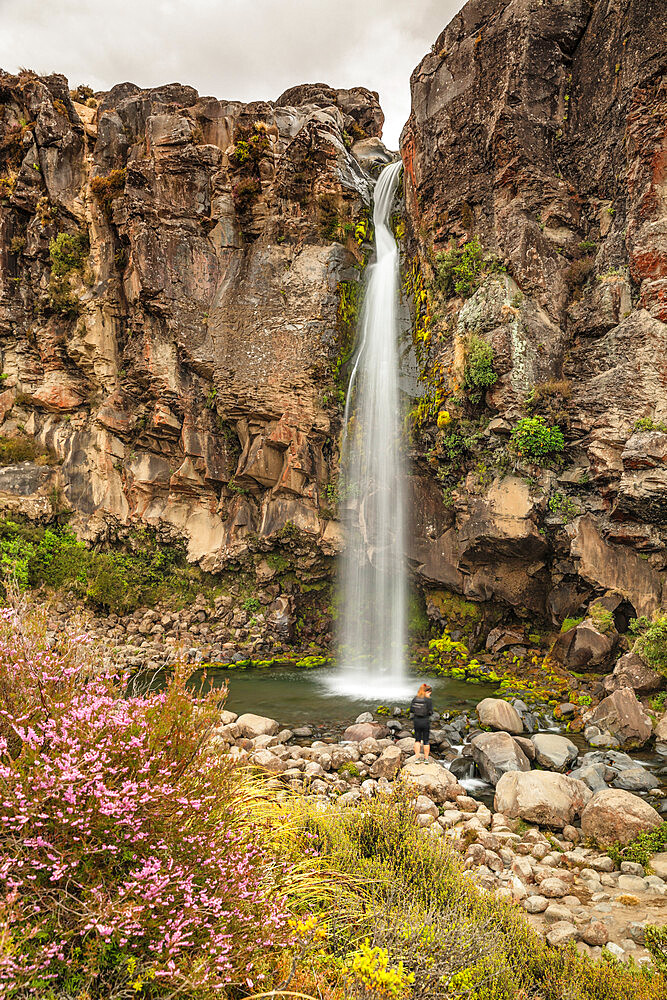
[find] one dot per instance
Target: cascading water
(372, 619)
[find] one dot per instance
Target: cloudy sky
(233, 49)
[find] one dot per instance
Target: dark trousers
(422, 731)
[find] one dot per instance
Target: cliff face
(536, 187)
(178, 285)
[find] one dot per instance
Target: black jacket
(421, 708)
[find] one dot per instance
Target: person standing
(421, 709)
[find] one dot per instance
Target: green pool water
(299, 697)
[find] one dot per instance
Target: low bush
(133, 862)
(642, 848)
(651, 640)
(534, 440)
(479, 373)
(68, 252)
(107, 188)
(457, 271)
(119, 581)
(22, 449)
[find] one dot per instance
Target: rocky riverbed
(541, 840)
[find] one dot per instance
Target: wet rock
(496, 753)
(616, 815)
(500, 715)
(592, 775)
(250, 725)
(554, 752)
(542, 797)
(636, 779)
(623, 716)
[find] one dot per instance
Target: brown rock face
(535, 182)
(181, 361)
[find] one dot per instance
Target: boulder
(591, 775)
(268, 761)
(387, 764)
(659, 864)
(561, 933)
(496, 753)
(623, 716)
(554, 752)
(636, 779)
(252, 726)
(498, 714)
(584, 647)
(661, 730)
(431, 779)
(543, 797)
(631, 672)
(362, 730)
(616, 815)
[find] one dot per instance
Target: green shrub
(570, 623)
(479, 374)
(118, 581)
(560, 503)
(68, 252)
(251, 604)
(656, 942)
(458, 270)
(642, 848)
(534, 440)
(403, 893)
(651, 640)
(647, 424)
(245, 192)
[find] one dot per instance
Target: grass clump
(570, 623)
(651, 640)
(458, 270)
(533, 439)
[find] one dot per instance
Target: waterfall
(372, 616)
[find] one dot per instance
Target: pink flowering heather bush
(128, 863)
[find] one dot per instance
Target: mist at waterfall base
(372, 630)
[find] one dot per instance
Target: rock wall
(538, 137)
(178, 284)
(179, 279)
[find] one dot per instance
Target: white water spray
(372, 622)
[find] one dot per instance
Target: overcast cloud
(233, 49)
